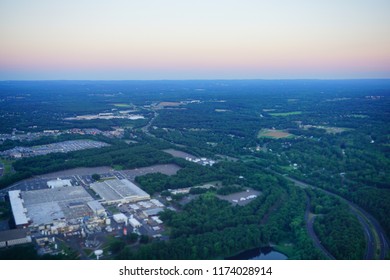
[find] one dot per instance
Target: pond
(265, 253)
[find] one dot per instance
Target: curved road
(377, 244)
(310, 228)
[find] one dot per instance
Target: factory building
(18, 210)
(55, 210)
(96, 207)
(120, 218)
(14, 237)
(152, 212)
(134, 222)
(119, 191)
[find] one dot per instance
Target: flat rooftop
(46, 205)
(18, 208)
(13, 234)
(115, 190)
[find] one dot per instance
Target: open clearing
(123, 105)
(169, 104)
(179, 154)
(286, 114)
(328, 129)
(273, 133)
(240, 198)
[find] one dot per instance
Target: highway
(377, 244)
(309, 218)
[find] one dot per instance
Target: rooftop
(18, 208)
(47, 205)
(113, 190)
(12, 234)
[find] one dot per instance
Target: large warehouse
(58, 209)
(119, 191)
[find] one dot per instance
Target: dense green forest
(210, 228)
(334, 135)
(338, 231)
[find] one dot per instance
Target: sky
(202, 39)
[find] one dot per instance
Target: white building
(134, 222)
(58, 183)
(96, 207)
(119, 191)
(120, 218)
(18, 210)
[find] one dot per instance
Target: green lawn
(7, 166)
(286, 249)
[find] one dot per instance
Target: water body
(265, 253)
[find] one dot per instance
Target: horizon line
(195, 79)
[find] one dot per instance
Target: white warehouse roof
(115, 191)
(120, 218)
(96, 206)
(18, 208)
(134, 222)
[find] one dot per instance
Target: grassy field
(286, 249)
(273, 133)
(7, 166)
(286, 114)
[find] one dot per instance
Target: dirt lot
(179, 154)
(167, 169)
(78, 171)
(273, 133)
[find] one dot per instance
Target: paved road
(145, 129)
(375, 235)
(310, 228)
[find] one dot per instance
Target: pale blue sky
(172, 39)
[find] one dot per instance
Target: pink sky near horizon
(254, 39)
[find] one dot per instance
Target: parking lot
(241, 198)
(60, 147)
(167, 169)
(83, 176)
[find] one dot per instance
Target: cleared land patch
(179, 154)
(169, 104)
(273, 133)
(240, 198)
(286, 114)
(123, 105)
(328, 129)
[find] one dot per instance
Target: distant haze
(180, 39)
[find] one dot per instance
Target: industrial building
(14, 237)
(120, 218)
(55, 210)
(134, 222)
(18, 210)
(152, 212)
(119, 191)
